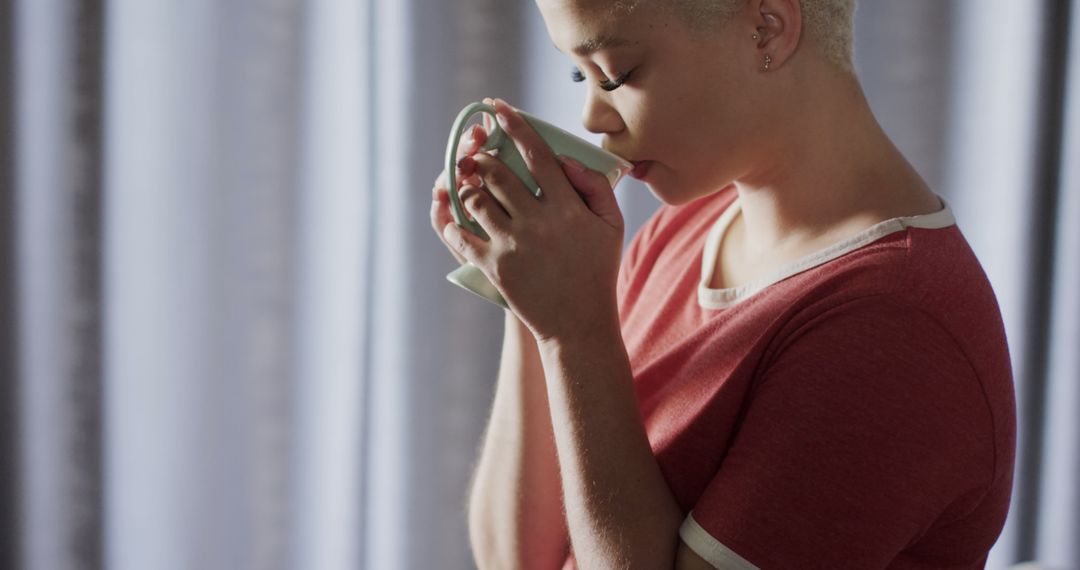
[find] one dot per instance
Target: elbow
(496, 546)
(491, 547)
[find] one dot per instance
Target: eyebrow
(598, 43)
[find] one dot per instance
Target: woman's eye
(607, 85)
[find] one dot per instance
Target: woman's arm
(516, 517)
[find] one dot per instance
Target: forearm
(620, 510)
(516, 517)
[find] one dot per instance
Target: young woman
(798, 362)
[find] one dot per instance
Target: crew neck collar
(710, 298)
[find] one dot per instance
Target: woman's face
(687, 105)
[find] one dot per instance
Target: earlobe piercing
(755, 36)
(768, 61)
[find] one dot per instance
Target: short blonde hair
(830, 22)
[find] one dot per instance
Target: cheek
(659, 121)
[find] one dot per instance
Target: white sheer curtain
(56, 274)
(281, 375)
(201, 187)
(1058, 522)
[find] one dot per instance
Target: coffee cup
(561, 142)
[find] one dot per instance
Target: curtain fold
(335, 218)
(433, 347)
(161, 181)
(9, 391)
(1057, 534)
(202, 129)
(1045, 197)
(57, 190)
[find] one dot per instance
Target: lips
(641, 168)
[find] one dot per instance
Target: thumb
(472, 247)
(594, 190)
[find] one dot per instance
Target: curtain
(1055, 471)
(9, 421)
(226, 338)
(56, 187)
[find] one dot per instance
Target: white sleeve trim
(701, 542)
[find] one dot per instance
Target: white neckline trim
(723, 298)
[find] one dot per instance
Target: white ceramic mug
(561, 142)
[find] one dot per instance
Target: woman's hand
(470, 143)
(554, 259)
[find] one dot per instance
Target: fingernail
(573, 164)
(466, 165)
(500, 112)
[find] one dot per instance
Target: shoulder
(879, 335)
(883, 363)
(867, 426)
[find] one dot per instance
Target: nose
(599, 116)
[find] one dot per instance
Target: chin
(678, 195)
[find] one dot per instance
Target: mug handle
(494, 140)
(469, 276)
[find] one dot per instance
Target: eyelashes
(607, 85)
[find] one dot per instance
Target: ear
(778, 28)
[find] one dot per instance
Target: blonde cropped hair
(830, 22)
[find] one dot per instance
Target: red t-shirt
(855, 410)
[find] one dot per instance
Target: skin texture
(811, 166)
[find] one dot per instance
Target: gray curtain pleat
(433, 356)
(9, 409)
(1057, 528)
(1059, 521)
(1044, 191)
(85, 391)
(254, 273)
(59, 196)
(369, 117)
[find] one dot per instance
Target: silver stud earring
(768, 61)
(755, 36)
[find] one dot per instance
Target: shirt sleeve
(868, 427)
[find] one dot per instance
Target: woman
(797, 363)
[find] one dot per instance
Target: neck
(838, 170)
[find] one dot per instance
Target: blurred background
(226, 340)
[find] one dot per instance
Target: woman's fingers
(464, 243)
(440, 217)
(469, 178)
(595, 191)
(471, 140)
(486, 210)
(440, 207)
(481, 206)
(503, 184)
(537, 154)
